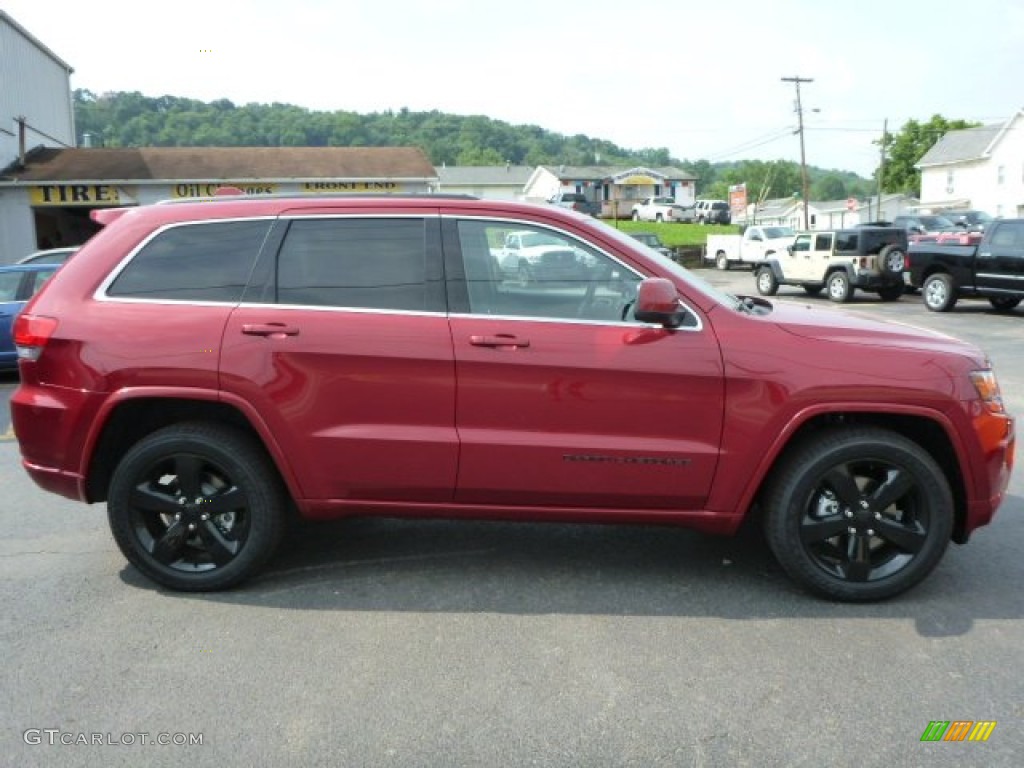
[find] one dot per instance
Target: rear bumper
(49, 424)
(61, 482)
(872, 280)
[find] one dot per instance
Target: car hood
(854, 328)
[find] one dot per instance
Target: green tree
(829, 187)
(904, 149)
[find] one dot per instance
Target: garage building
(46, 200)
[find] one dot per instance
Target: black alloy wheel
(859, 514)
(196, 506)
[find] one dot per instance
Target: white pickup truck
(752, 247)
(663, 209)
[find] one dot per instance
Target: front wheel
(839, 288)
(858, 514)
(526, 277)
(196, 506)
(939, 292)
(767, 285)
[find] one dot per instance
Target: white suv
(713, 212)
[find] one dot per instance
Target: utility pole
(881, 165)
(800, 122)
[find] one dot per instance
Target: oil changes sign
(209, 188)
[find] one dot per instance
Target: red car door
(563, 400)
(344, 346)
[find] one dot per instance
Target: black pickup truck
(959, 266)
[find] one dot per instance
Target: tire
(858, 514)
(722, 261)
(839, 288)
(196, 507)
(525, 275)
(893, 259)
(659, 218)
(890, 292)
(939, 293)
(813, 290)
(767, 285)
(1003, 303)
(636, 216)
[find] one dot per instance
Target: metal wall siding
(35, 86)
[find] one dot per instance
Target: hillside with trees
(131, 119)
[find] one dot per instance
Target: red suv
(207, 367)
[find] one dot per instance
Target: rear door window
(361, 263)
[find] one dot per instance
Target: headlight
(988, 389)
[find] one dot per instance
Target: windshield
(936, 222)
(773, 232)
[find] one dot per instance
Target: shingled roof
(962, 145)
(222, 163)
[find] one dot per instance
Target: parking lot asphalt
(433, 643)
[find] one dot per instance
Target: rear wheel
(839, 288)
(636, 216)
(939, 293)
(658, 217)
(722, 261)
(858, 514)
(767, 285)
(1003, 303)
(196, 506)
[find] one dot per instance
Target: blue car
(17, 285)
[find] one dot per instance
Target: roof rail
(234, 197)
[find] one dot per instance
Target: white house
(616, 188)
(980, 168)
(829, 214)
(503, 182)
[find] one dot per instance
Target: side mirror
(657, 301)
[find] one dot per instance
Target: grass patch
(675, 235)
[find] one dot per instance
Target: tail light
(31, 334)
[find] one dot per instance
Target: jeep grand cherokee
(206, 367)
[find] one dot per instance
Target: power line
(760, 141)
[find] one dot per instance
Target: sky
(703, 78)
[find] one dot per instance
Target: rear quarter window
(202, 261)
